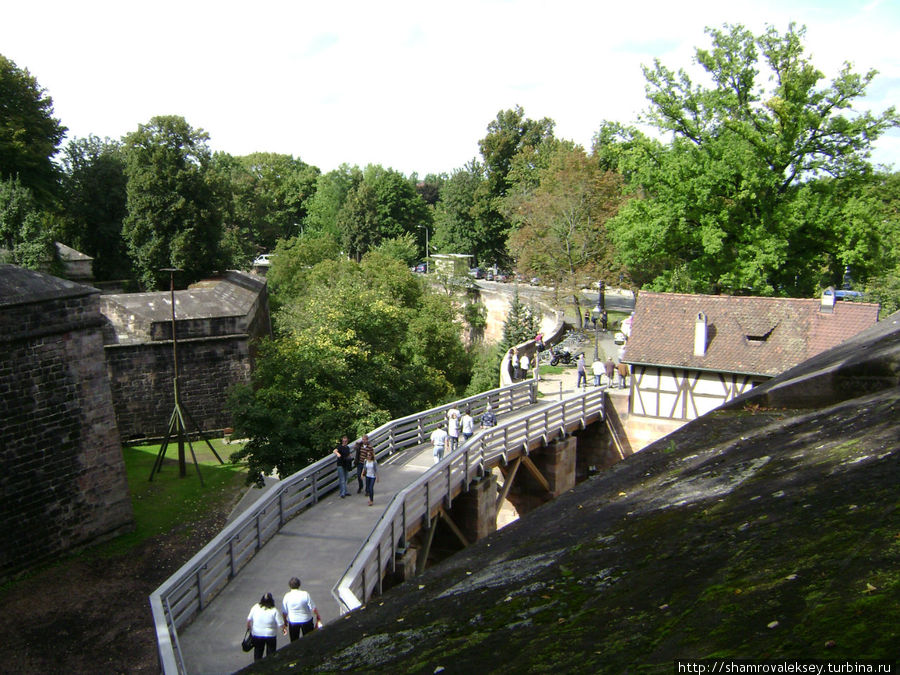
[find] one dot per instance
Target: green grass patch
(169, 500)
(552, 370)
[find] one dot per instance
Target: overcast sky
(408, 85)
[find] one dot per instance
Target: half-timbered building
(690, 353)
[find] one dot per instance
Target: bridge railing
(203, 577)
(414, 505)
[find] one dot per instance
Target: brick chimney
(700, 335)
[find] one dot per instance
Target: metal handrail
(452, 474)
(203, 577)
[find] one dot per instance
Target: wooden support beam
(534, 471)
(508, 477)
(426, 549)
(456, 530)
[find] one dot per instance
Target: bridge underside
(545, 470)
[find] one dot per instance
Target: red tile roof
(787, 331)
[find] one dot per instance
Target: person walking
(610, 367)
(514, 358)
(488, 418)
(524, 364)
(299, 610)
(597, 370)
(622, 369)
(439, 441)
(453, 428)
(371, 471)
(344, 464)
(263, 622)
(361, 447)
(467, 425)
(582, 373)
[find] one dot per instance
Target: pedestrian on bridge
(299, 610)
(488, 419)
(361, 447)
(263, 622)
(610, 366)
(622, 370)
(371, 469)
(582, 373)
(440, 440)
(467, 424)
(344, 464)
(453, 428)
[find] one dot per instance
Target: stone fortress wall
(63, 480)
(217, 324)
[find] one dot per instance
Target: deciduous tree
(746, 196)
(173, 217)
(29, 133)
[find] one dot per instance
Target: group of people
(444, 440)
(297, 614)
(520, 363)
(363, 455)
(600, 368)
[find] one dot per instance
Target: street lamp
(425, 227)
(598, 312)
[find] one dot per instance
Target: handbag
(247, 642)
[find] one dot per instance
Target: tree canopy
(29, 134)
(746, 197)
(358, 344)
(93, 191)
(173, 217)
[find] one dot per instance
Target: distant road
(618, 300)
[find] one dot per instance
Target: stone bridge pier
(524, 483)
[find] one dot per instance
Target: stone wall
(218, 323)
(63, 480)
(141, 379)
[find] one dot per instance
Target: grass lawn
(169, 501)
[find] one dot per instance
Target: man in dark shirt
(344, 463)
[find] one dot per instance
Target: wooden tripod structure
(177, 426)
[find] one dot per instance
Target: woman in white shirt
(264, 621)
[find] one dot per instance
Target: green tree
(522, 323)
(29, 134)
(265, 197)
(745, 197)
(173, 216)
(455, 226)
(93, 202)
(331, 192)
(510, 135)
(560, 226)
(403, 248)
(293, 261)
(24, 229)
(357, 344)
(382, 206)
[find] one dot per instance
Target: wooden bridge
(344, 551)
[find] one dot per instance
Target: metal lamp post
(598, 312)
(425, 227)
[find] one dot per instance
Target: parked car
(619, 338)
(477, 272)
(421, 268)
(502, 277)
(263, 260)
(535, 281)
